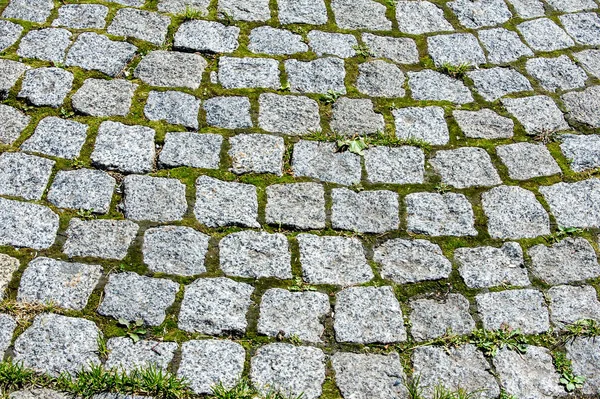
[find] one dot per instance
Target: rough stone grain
(421, 123)
(86, 189)
(173, 107)
(103, 238)
(228, 112)
(155, 199)
(246, 10)
(57, 138)
(584, 354)
(465, 167)
(430, 318)
(400, 165)
(544, 35)
(418, 17)
(582, 151)
(292, 115)
(29, 10)
(537, 114)
(81, 16)
(480, 13)
(191, 149)
(495, 83)
(583, 27)
(256, 153)
(8, 265)
(584, 106)
(126, 355)
(10, 72)
(322, 161)
(7, 328)
(206, 36)
(48, 44)
(484, 124)
(380, 79)
(23, 175)
(175, 250)
(268, 40)
(590, 61)
(9, 33)
(574, 204)
(428, 85)
(523, 309)
(355, 116)
(144, 25)
(365, 212)
(558, 73)
(569, 304)
(27, 225)
(92, 51)
(527, 160)
(46, 86)
(503, 46)
(98, 97)
(328, 43)
(455, 49)
(171, 69)
(318, 76)
(436, 214)
(360, 14)
(248, 73)
(299, 205)
(12, 123)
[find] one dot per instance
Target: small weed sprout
(66, 114)
(564, 367)
(243, 390)
(391, 3)
(456, 71)
(546, 136)
(86, 214)
(102, 348)
(300, 285)
(295, 339)
(564, 232)
(490, 342)
(225, 17)
(330, 97)
(363, 50)
(506, 395)
(583, 328)
(355, 146)
(134, 330)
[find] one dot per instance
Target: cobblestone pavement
(176, 162)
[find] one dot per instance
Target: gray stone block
(126, 355)
(572, 6)
(503, 46)
(207, 36)
(81, 16)
(102, 238)
(8, 265)
(228, 112)
(256, 153)
(98, 97)
(582, 151)
(480, 13)
(171, 69)
(544, 35)
(401, 50)
(23, 175)
(428, 85)
(328, 43)
(29, 10)
(516, 309)
(465, 167)
(10, 72)
(455, 49)
(173, 107)
(495, 83)
(12, 123)
(380, 79)
(418, 17)
(311, 12)
(154, 199)
(318, 76)
(268, 40)
(556, 73)
(57, 138)
(574, 204)
(569, 304)
(86, 189)
(27, 225)
(590, 61)
(432, 319)
(395, 165)
(537, 114)
(436, 215)
(421, 123)
(175, 250)
(191, 149)
(248, 73)
(584, 106)
(360, 14)
(45, 44)
(365, 211)
(583, 352)
(46, 86)
(299, 205)
(355, 117)
(246, 10)
(291, 115)
(527, 160)
(528, 8)
(322, 161)
(144, 25)
(484, 124)
(92, 51)
(7, 328)
(180, 6)
(9, 33)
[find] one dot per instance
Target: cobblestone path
(305, 193)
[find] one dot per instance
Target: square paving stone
(8, 265)
(531, 374)
(428, 85)
(582, 151)
(574, 204)
(328, 43)
(132, 297)
(398, 49)
(9, 33)
(102, 238)
(268, 40)
(27, 225)
(208, 363)
(299, 205)
(12, 123)
(311, 12)
(155, 199)
(322, 161)
(584, 353)
(45, 44)
(484, 124)
(173, 107)
(537, 114)
(92, 51)
(465, 167)
(558, 73)
(483, 267)
(81, 16)
(191, 149)
(144, 25)
(246, 10)
(418, 17)
(46, 86)
(175, 250)
(318, 76)
(291, 115)
(462, 367)
(248, 73)
(569, 304)
(503, 46)
(10, 72)
(215, 306)
(365, 211)
(54, 344)
(494, 83)
(360, 14)
(86, 189)
(584, 106)
(355, 116)
(380, 79)
(126, 355)
(206, 36)
(41, 393)
(288, 369)
(436, 214)
(528, 8)
(125, 148)
(421, 123)
(399, 165)
(583, 27)
(180, 6)
(221, 203)
(171, 69)
(67, 285)
(333, 260)
(57, 137)
(572, 5)
(431, 318)
(513, 213)
(23, 175)
(527, 160)
(368, 315)
(571, 259)
(7, 328)
(228, 112)
(255, 254)
(29, 10)
(293, 314)
(256, 153)
(480, 13)
(517, 309)
(544, 35)
(456, 49)
(98, 97)
(409, 261)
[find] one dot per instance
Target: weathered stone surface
(155, 199)
(483, 267)
(537, 114)
(215, 306)
(590, 61)
(7, 327)
(455, 49)
(293, 314)
(12, 123)
(318, 76)
(556, 73)
(409, 261)
(528, 8)
(480, 13)
(23, 175)
(368, 315)
(569, 304)
(366, 376)
(173, 107)
(10, 72)
(180, 6)
(572, 6)
(191, 149)
(92, 51)
(574, 204)
(107, 239)
(365, 211)
(228, 112)
(29, 10)
(333, 260)
(55, 344)
(45, 44)
(399, 50)
(544, 35)
(46, 86)
(126, 355)
(360, 14)
(462, 367)
(9, 33)
(57, 137)
(431, 319)
(131, 297)
(175, 250)
(583, 353)
(81, 16)
(503, 46)
(523, 309)
(400, 165)
(380, 79)
(171, 69)
(322, 161)
(328, 43)
(527, 160)
(430, 85)
(67, 285)
(311, 12)
(27, 225)
(418, 17)
(8, 265)
(207, 363)
(583, 106)
(207, 36)
(582, 151)
(98, 97)
(355, 116)
(484, 124)
(125, 148)
(246, 10)
(299, 205)
(86, 189)
(292, 115)
(144, 25)
(571, 259)
(256, 153)
(435, 214)
(288, 369)
(465, 167)
(497, 82)
(255, 254)
(247, 73)
(221, 203)
(268, 40)
(422, 123)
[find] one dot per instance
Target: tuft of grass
(583, 328)
(245, 390)
(563, 232)
(191, 13)
(24, 312)
(568, 379)
(14, 376)
(490, 342)
(300, 285)
(456, 71)
(413, 387)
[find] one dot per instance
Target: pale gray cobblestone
(495, 83)
(86, 189)
(27, 225)
(432, 319)
(81, 16)
(7, 328)
(484, 124)
(583, 27)
(418, 17)
(245, 10)
(574, 204)
(322, 161)
(57, 138)
(537, 114)
(380, 79)
(503, 46)
(428, 85)
(544, 35)
(327, 43)
(582, 151)
(207, 36)
(360, 14)
(318, 76)
(311, 12)
(436, 214)
(528, 8)
(527, 160)
(29, 10)
(524, 309)
(480, 13)
(46, 86)
(268, 40)
(92, 51)
(175, 250)
(584, 106)
(465, 167)
(455, 49)
(12, 124)
(590, 61)
(398, 49)
(8, 265)
(355, 116)
(572, 5)
(45, 44)
(583, 353)
(364, 212)
(248, 73)
(570, 304)
(98, 97)
(191, 149)
(107, 239)
(400, 165)
(173, 107)
(256, 153)
(23, 175)
(421, 123)
(144, 25)
(10, 72)
(126, 355)
(9, 33)
(300, 205)
(171, 69)
(292, 115)
(558, 73)
(155, 199)
(228, 112)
